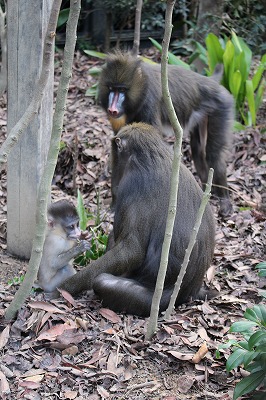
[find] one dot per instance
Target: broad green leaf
(240, 63)
(228, 58)
(251, 100)
(63, 17)
(95, 71)
(172, 59)
(261, 348)
(258, 74)
(262, 293)
(240, 46)
(256, 366)
(249, 356)
(96, 54)
(238, 126)
(247, 52)
(201, 49)
(260, 310)
(235, 359)
(248, 384)
(257, 338)
(259, 96)
(81, 212)
(231, 342)
(262, 268)
(236, 43)
(194, 56)
(251, 315)
(242, 326)
(235, 83)
(244, 344)
(200, 53)
(259, 395)
(156, 44)
(215, 51)
(92, 91)
(261, 265)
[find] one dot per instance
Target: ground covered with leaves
(75, 349)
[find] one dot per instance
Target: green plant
(16, 280)
(99, 238)
(172, 59)
(236, 58)
(262, 268)
(251, 351)
(63, 17)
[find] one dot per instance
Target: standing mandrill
(125, 276)
(60, 246)
(130, 91)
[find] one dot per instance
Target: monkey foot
(225, 208)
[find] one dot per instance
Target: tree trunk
(26, 28)
(209, 18)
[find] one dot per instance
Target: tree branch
(46, 180)
(192, 241)
(152, 325)
(135, 49)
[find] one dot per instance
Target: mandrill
(125, 276)
(130, 91)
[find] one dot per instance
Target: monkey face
(72, 230)
(116, 101)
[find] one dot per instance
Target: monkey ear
(51, 223)
(119, 144)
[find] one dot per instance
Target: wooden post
(26, 28)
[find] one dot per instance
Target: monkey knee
(103, 281)
(123, 295)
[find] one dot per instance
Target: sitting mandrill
(130, 91)
(60, 246)
(125, 276)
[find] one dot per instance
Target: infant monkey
(61, 245)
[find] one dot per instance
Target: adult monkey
(125, 276)
(130, 91)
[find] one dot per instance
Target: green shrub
(250, 353)
(99, 238)
(236, 58)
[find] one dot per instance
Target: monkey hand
(85, 235)
(83, 245)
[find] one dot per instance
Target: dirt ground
(75, 349)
